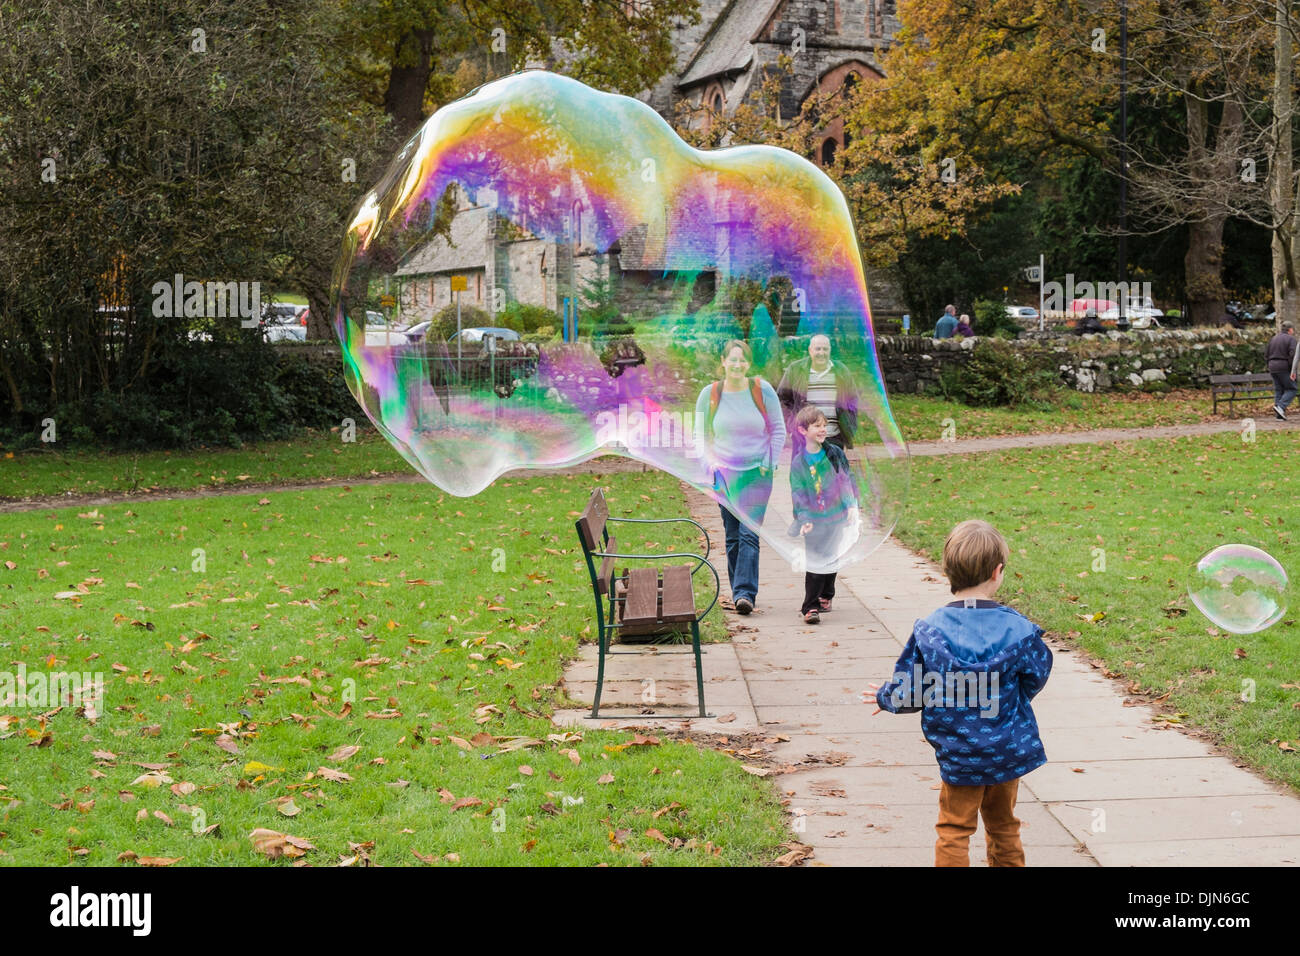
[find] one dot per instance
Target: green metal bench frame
(605, 587)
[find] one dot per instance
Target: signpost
(387, 302)
(459, 284)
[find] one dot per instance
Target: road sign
(459, 284)
(388, 301)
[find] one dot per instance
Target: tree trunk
(408, 79)
(1209, 162)
(1203, 266)
(320, 325)
(1286, 302)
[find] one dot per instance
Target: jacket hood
(973, 638)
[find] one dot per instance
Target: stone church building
(720, 63)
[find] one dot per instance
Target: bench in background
(1240, 388)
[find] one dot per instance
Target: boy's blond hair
(971, 553)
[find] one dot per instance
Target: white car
(1139, 316)
(285, 333)
(1023, 313)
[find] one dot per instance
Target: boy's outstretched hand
(869, 697)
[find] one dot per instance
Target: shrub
(205, 393)
(523, 317)
(471, 316)
(991, 319)
(1000, 374)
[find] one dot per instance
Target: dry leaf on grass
(274, 845)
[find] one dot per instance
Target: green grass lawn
(1154, 508)
(923, 417)
(406, 639)
(313, 456)
(324, 455)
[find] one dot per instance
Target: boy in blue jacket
(972, 668)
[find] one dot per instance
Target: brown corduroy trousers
(959, 811)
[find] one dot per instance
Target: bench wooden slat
(592, 521)
(606, 566)
(642, 604)
(1255, 377)
(678, 601)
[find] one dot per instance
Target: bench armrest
(708, 545)
(701, 562)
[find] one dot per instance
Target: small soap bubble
(1239, 588)
(517, 292)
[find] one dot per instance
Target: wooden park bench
(640, 601)
(1240, 388)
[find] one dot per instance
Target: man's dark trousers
(1284, 389)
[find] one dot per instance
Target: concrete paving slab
(1208, 776)
(1102, 822)
(830, 855)
(1074, 744)
(1247, 851)
(912, 825)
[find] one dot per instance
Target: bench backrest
(1259, 377)
(591, 523)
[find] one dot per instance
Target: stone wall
(1135, 361)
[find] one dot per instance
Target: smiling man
(819, 380)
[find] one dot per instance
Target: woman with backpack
(740, 431)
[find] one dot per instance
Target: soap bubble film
(1239, 588)
(613, 263)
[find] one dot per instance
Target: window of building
(828, 152)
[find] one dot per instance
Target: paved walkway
(1095, 437)
(1118, 790)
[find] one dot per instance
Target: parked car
(1024, 314)
(282, 313)
(477, 334)
(416, 333)
(285, 333)
(1139, 316)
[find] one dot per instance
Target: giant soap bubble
(627, 260)
(1240, 588)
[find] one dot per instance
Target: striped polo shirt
(821, 392)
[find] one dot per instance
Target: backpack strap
(715, 396)
(756, 393)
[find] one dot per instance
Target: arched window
(828, 152)
(716, 103)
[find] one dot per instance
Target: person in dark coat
(1280, 354)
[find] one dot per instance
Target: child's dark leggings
(815, 587)
(819, 542)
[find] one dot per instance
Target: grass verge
(368, 669)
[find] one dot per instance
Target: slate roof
(727, 47)
(468, 248)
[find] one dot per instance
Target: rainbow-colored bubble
(1239, 588)
(621, 261)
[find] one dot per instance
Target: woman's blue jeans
(747, 492)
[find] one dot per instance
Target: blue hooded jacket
(972, 671)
